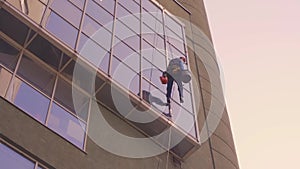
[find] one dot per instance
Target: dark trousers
(171, 80)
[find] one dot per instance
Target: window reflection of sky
(31, 102)
(67, 125)
(9, 159)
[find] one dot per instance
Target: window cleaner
(175, 72)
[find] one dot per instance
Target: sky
(258, 45)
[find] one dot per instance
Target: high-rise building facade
(80, 86)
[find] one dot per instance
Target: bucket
(186, 76)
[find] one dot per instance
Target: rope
(168, 152)
(151, 75)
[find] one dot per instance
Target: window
(99, 14)
(64, 96)
(183, 119)
(85, 78)
(67, 125)
(152, 9)
(36, 106)
(73, 14)
(127, 55)
(95, 54)
(131, 6)
(97, 33)
(125, 76)
(11, 159)
(124, 33)
(78, 3)
(37, 74)
(107, 5)
(12, 27)
(154, 56)
(8, 55)
(48, 53)
(155, 96)
(62, 29)
(174, 40)
(174, 26)
(152, 24)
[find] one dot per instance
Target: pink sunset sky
(258, 45)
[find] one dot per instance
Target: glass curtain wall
(134, 37)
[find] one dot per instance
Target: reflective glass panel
(13, 27)
(8, 55)
(10, 159)
(148, 6)
(94, 53)
(123, 32)
(154, 38)
(186, 97)
(173, 52)
(128, 19)
(90, 26)
(109, 5)
(133, 42)
(127, 55)
(151, 25)
(151, 73)
(96, 32)
(78, 3)
(174, 26)
(154, 56)
(31, 101)
(65, 59)
(84, 76)
(73, 14)
(46, 51)
(99, 14)
(71, 98)
(183, 119)
(125, 76)
(62, 29)
(67, 125)
(154, 96)
(37, 74)
(131, 6)
(175, 40)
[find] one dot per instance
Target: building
(73, 81)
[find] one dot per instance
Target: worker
(174, 73)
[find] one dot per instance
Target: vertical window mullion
(87, 123)
(47, 10)
(10, 86)
(141, 57)
(51, 100)
(165, 38)
(112, 39)
(80, 26)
